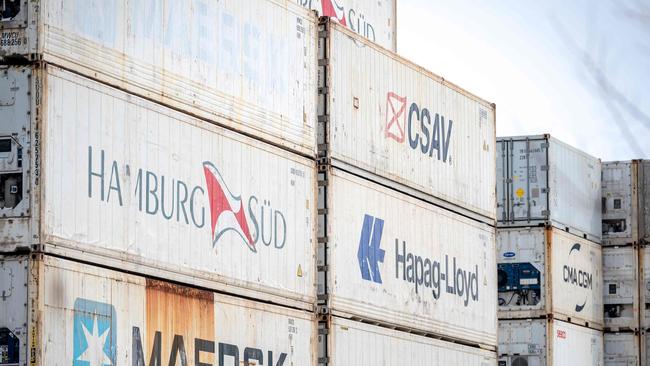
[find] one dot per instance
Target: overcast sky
(579, 70)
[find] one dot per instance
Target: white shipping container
(360, 344)
(543, 180)
(110, 178)
(622, 349)
(644, 201)
(644, 287)
(60, 312)
(399, 261)
(251, 68)
(375, 20)
(549, 272)
(621, 288)
(620, 202)
(389, 120)
(542, 342)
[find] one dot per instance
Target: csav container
(621, 288)
(356, 343)
(250, 68)
(547, 342)
(60, 312)
(549, 272)
(391, 259)
(622, 349)
(620, 202)
(541, 180)
(106, 177)
(391, 121)
(375, 20)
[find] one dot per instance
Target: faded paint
(620, 202)
(621, 288)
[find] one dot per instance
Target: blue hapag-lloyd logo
(369, 253)
(94, 333)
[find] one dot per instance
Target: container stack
(549, 253)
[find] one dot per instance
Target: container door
(13, 312)
(502, 180)
(528, 180)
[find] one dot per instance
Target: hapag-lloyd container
(547, 342)
(542, 180)
(356, 343)
(621, 288)
(251, 68)
(387, 119)
(622, 349)
(395, 260)
(375, 20)
(110, 178)
(620, 202)
(549, 272)
(60, 312)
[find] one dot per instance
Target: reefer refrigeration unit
(621, 288)
(622, 349)
(620, 202)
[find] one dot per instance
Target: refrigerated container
(60, 312)
(541, 180)
(620, 202)
(621, 288)
(549, 272)
(644, 287)
(393, 122)
(547, 342)
(110, 178)
(250, 68)
(622, 349)
(391, 259)
(644, 200)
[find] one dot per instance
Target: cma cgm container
(621, 288)
(106, 177)
(620, 202)
(622, 349)
(644, 201)
(542, 180)
(391, 121)
(433, 273)
(375, 20)
(251, 68)
(549, 272)
(60, 312)
(547, 342)
(356, 343)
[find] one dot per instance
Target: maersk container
(549, 272)
(541, 180)
(644, 201)
(548, 342)
(622, 349)
(620, 202)
(395, 123)
(93, 173)
(621, 288)
(360, 344)
(375, 20)
(60, 312)
(391, 259)
(250, 68)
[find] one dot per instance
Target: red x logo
(395, 116)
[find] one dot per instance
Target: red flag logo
(333, 10)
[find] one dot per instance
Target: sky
(579, 70)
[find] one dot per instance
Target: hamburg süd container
(109, 178)
(391, 121)
(541, 180)
(622, 349)
(60, 312)
(391, 259)
(621, 288)
(250, 68)
(548, 342)
(549, 272)
(620, 202)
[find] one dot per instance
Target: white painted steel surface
(541, 179)
(644, 287)
(359, 344)
(542, 342)
(644, 201)
(621, 287)
(622, 349)
(396, 260)
(393, 121)
(620, 202)
(251, 68)
(131, 184)
(375, 20)
(575, 281)
(77, 314)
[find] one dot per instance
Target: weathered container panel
(433, 273)
(622, 349)
(252, 68)
(644, 287)
(76, 314)
(621, 288)
(620, 202)
(394, 122)
(644, 201)
(124, 182)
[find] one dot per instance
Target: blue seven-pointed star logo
(369, 253)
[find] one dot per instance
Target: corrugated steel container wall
(394, 122)
(526, 256)
(542, 342)
(620, 202)
(375, 20)
(644, 287)
(75, 314)
(251, 68)
(622, 349)
(356, 343)
(131, 184)
(644, 201)
(543, 180)
(621, 288)
(399, 261)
